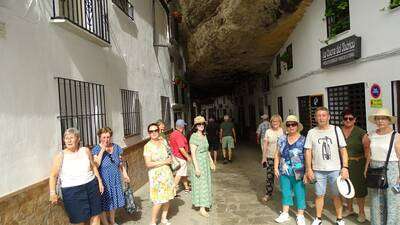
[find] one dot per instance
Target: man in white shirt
(326, 159)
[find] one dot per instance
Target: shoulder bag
(130, 205)
(377, 177)
(175, 165)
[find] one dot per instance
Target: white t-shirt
(324, 146)
(272, 137)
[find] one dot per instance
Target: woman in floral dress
(203, 163)
(160, 175)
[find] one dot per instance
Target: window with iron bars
(82, 105)
(90, 15)
(131, 112)
(166, 111)
(126, 7)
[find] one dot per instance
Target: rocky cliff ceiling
(227, 40)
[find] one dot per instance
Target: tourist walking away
(161, 127)
(289, 168)
(108, 158)
(270, 141)
(180, 149)
(326, 160)
(202, 164)
(357, 142)
(262, 128)
(385, 203)
(212, 132)
(227, 136)
(81, 186)
(161, 181)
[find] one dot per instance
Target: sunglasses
(153, 131)
(348, 118)
(201, 124)
(291, 124)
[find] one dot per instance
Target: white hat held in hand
(345, 187)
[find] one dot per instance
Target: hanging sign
(344, 51)
(376, 91)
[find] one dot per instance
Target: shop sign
(376, 103)
(376, 91)
(344, 51)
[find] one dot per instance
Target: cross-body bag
(175, 165)
(377, 177)
(338, 146)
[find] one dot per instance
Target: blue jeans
(322, 178)
(290, 185)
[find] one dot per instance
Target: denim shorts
(322, 178)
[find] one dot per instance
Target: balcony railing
(89, 15)
(126, 7)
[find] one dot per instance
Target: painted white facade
(33, 51)
(379, 62)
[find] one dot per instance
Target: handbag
(130, 205)
(175, 165)
(377, 177)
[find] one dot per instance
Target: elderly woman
(289, 168)
(161, 127)
(268, 154)
(203, 164)
(356, 139)
(108, 157)
(161, 180)
(81, 186)
(385, 204)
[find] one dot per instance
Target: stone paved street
(238, 188)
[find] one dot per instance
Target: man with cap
(262, 128)
(227, 136)
(180, 149)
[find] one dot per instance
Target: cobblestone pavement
(238, 188)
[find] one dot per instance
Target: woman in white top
(270, 146)
(385, 204)
(81, 185)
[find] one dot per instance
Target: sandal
(166, 222)
(204, 213)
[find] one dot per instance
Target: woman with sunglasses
(161, 180)
(202, 163)
(357, 146)
(289, 168)
(108, 157)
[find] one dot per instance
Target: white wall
(379, 63)
(34, 51)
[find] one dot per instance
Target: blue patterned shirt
(292, 156)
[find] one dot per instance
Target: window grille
(280, 107)
(126, 7)
(347, 96)
(166, 111)
(131, 112)
(337, 17)
(90, 15)
(278, 66)
(82, 105)
(289, 50)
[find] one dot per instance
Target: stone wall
(30, 206)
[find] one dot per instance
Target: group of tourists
(329, 155)
(89, 181)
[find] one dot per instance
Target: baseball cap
(180, 123)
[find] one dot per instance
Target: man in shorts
(180, 149)
(213, 137)
(227, 136)
(324, 163)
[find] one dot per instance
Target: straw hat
(382, 112)
(199, 119)
(345, 187)
(264, 116)
(293, 118)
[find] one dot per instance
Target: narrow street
(238, 188)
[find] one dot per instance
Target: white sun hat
(345, 187)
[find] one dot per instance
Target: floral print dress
(160, 178)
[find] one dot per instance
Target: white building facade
(367, 79)
(84, 64)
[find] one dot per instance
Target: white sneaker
(300, 220)
(317, 222)
(340, 222)
(283, 217)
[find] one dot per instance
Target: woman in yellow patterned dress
(160, 176)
